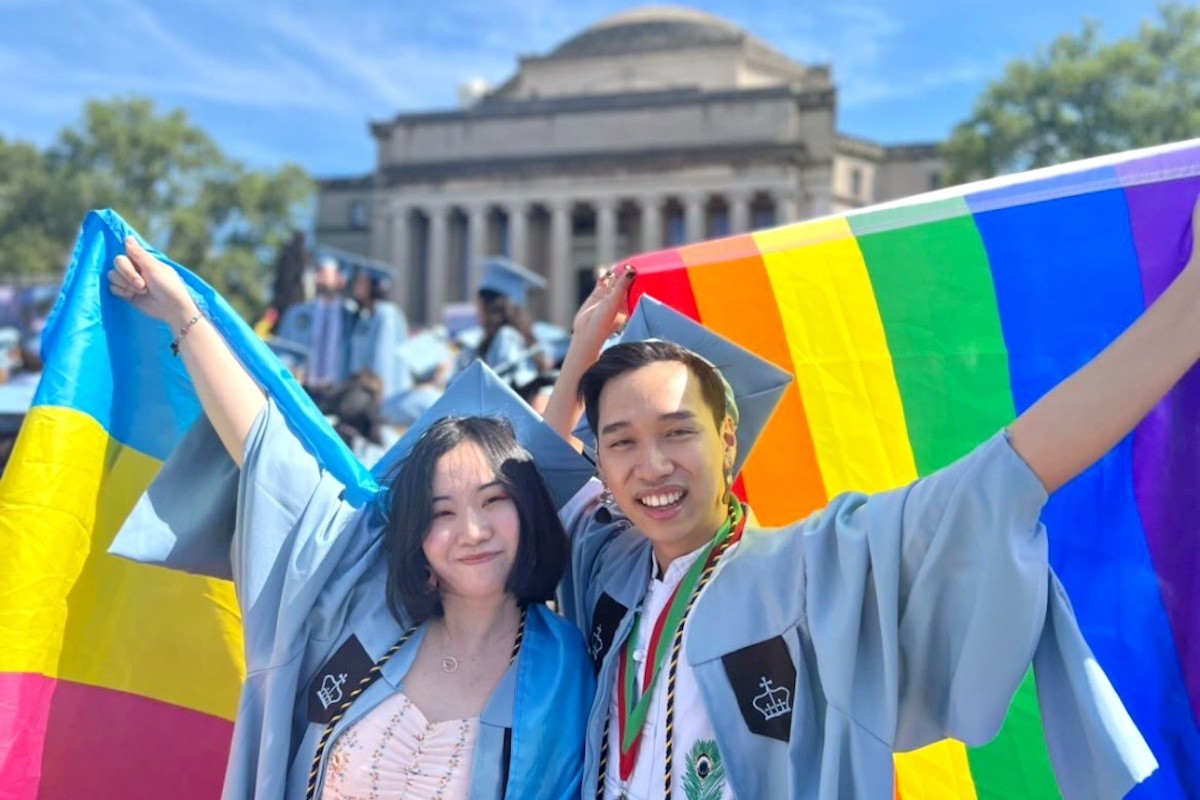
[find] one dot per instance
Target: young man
(738, 662)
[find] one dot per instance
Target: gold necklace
(450, 663)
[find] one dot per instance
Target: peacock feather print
(704, 774)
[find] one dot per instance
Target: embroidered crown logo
(331, 690)
(775, 701)
(597, 643)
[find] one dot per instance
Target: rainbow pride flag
(118, 681)
(917, 329)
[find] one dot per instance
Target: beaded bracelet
(187, 326)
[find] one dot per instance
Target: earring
(606, 496)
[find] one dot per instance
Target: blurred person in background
(317, 333)
(10, 352)
(509, 346)
(354, 409)
(379, 328)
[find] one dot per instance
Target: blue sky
(284, 80)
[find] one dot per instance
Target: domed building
(652, 128)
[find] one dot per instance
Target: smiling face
(473, 537)
(663, 456)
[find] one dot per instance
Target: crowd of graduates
(353, 350)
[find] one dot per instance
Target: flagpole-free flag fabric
(117, 679)
(917, 329)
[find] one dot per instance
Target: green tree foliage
(1083, 97)
(168, 179)
(36, 229)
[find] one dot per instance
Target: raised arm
(230, 397)
(1083, 417)
(602, 314)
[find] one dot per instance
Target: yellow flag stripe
(840, 355)
(70, 610)
(848, 382)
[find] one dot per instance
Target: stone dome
(651, 29)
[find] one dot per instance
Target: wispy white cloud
(367, 51)
(255, 67)
(863, 43)
(863, 90)
(140, 53)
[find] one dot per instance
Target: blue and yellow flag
(107, 666)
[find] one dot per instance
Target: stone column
(438, 268)
(606, 231)
(785, 208)
(400, 254)
(379, 224)
(476, 244)
(739, 211)
(652, 223)
(693, 218)
(561, 273)
(820, 201)
(518, 232)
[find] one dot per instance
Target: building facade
(653, 128)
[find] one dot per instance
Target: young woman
(394, 652)
(508, 345)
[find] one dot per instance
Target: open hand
(606, 310)
(150, 285)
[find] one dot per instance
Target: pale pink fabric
(394, 752)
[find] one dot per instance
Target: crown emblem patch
(763, 678)
(774, 701)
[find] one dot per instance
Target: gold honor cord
(368, 679)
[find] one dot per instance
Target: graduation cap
(423, 354)
(476, 391)
(506, 277)
(753, 386)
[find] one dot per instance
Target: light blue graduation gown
(310, 572)
(891, 621)
(298, 326)
(373, 344)
(505, 355)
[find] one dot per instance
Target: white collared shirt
(695, 743)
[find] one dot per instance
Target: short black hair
(380, 284)
(629, 356)
(542, 549)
